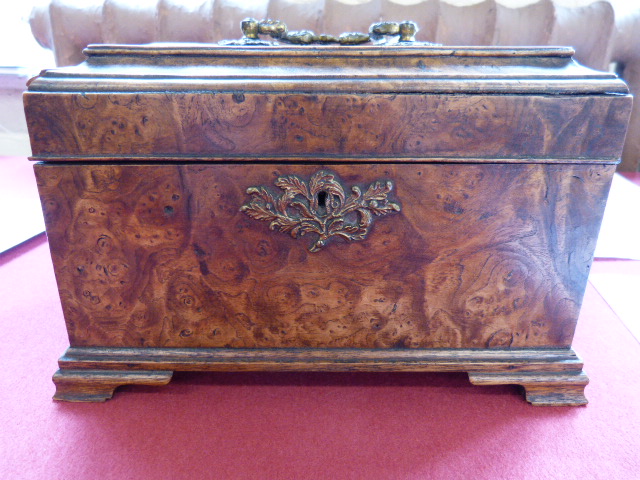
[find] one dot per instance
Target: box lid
(362, 103)
(348, 69)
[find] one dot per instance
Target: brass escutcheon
(320, 207)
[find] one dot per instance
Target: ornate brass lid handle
(406, 31)
(320, 207)
(379, 33)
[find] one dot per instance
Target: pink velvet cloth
(301, 425)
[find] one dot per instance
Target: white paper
(620, 232)
(20, 209)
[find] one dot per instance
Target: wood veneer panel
(480, 256)
(64, 125)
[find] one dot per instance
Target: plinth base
(550, 377)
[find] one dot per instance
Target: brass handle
(379, 33)
(320, 207)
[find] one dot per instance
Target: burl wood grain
(359, 126)
(481, 256)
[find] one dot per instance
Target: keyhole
(322, 199)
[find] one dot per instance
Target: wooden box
(323, 208)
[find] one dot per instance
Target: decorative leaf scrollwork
(321, 207)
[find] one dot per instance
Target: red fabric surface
(296, 425)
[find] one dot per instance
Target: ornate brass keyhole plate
(321, 207)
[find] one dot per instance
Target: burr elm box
(257, 207)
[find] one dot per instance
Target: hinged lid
(352, 69)
(362, 103)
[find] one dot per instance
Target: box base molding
(99, 385)
(541, 389)
(550, 377)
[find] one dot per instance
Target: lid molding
(330, 69)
